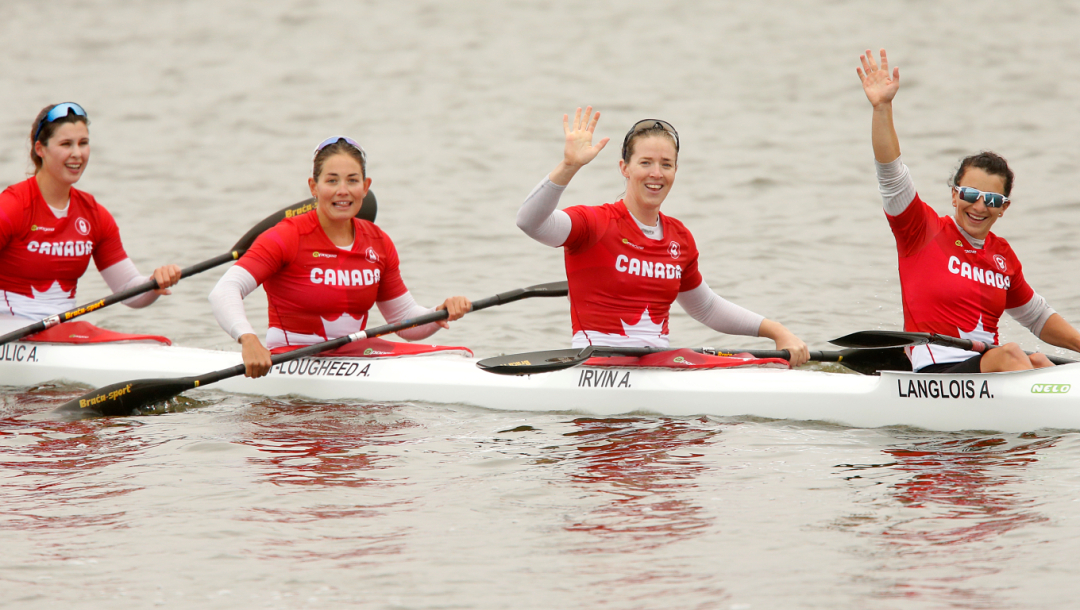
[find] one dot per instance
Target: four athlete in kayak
(50, 230)
(956, 277)
(626, 262)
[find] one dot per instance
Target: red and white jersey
(317, 291)
(950, 287)
(42, 257)
(622, 284)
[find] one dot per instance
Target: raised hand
(879, 86)
(579, 149)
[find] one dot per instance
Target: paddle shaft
(378, 331)
(866, 361)
(782, 354)
(367, 212)
(890, 338)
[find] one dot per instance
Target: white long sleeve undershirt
(124, 275)
(539, 218)
(227, 302)
(718, 313)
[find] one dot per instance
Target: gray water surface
(204, 115)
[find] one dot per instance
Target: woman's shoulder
(370, 230)
(603, 210)
(20, 193)
(298, 225)
(87, 201)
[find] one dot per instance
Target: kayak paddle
(866, 361)
(891, 338)
(367, 212)
(120, 399)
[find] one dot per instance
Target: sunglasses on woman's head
(971, 195)
(335, 140)
(649, 124)
(60, 111)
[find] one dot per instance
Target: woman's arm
(405, 307)
(880, 89)
(124, 275)
(1058, 332)
(227, 302)
(538, 216)
(717, 313)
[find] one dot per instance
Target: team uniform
(316, 290)
(622, 284)
(624, 275)
(951, 283)
(43, 255)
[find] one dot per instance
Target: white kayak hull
(1008, 402)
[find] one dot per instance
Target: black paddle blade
(551, 289)
(368, 210)
(873, 361)
(123, 399)
(881, 338)
(532, 362)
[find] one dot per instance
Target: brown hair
(340, 147)
(991, 163)
(48, 129)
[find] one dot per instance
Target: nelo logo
(673, 249)
(82, 226)
(999, 260)
(370, 255)
(1050, 388)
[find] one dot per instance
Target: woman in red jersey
(625, 261)
(50, 230)
(322, 270)
(956, 277)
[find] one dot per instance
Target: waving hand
(579, 149)
(879, 87)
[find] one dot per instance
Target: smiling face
(649, 174)
(340, 188)
(975, 218)
(65, 155)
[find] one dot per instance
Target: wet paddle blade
(532, 362)
(877, 339)
(873, 361)
(553, 360)
(123, 399)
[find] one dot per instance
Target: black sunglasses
(645, 125)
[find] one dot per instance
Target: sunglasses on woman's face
(971, 195)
